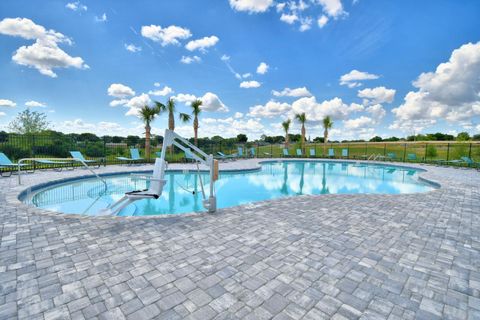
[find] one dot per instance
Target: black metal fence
(16, 147)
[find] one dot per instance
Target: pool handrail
(57, 159)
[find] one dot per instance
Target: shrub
(15, 153)
(431, 151)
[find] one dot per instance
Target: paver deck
(309, 257)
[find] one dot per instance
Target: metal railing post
(426, 147)
(384, 149)
(470, 151)
(404, 151)
(448, 150)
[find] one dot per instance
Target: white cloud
(132, 48)
(2, 114)
(227, 127)
(210, 101)
(315, 111)
(99, 128)
(297, 92)
(322, 21)
(269, 110)
(76, 6)
(262, 68)
(238, 115)
(102, 18)
(452, 92)
(377, 95)
(7, 103)
(333, 8)
(354, 78)
(119, 90)
(43, 55)
(251, 6)
(118, 102)
(306, 24)
(136, 103)
(225, 58)
(357, 123)
(377, 111)
(166, 36)
(161, 92)
(189, 59)
(202, 44)
(33, 103)
(289, 18)
(280, 6)
(250, 84)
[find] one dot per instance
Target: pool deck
(309, 257)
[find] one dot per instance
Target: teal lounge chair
(240, 152)
(312, 153)
(252, 152)
(225, 157)
(331, 153)
(469, 161)
(299, 153)
(55, 164)
(189, 156)
(158, 154)
(412, 157)
(344, 153)
(285, 152)
(78, 155)
(134, 156)
(5, 162)
(391, 156)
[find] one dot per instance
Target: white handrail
(57, 159)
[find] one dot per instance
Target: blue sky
(377, 67)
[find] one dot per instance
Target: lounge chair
(299, 153)
(188, 156)
(344, 153)
(252, 152)
(78, 155)
(268, 154)
(5, 162)
(312, 153)
(54, 164)
(134, 157)
(285, 152)
(240, 152)
(331, 153)
(470, 162)
(412, 157)
(158, 154)
(391, 156)
(225, 157)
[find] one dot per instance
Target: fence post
(271, 150)
(366, 150)
(348, 150)
(426, 147)
(470, 151)
(104, 152)
(33, 151)
(448, 150)
(404, 151)
(384, 149)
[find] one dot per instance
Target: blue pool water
(273, 180)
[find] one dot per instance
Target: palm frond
(184, 117)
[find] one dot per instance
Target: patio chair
(470, 162)
(78, 155)
(54, 164)
(391, 156)
(252, 152)
(5, 162)
(225, 157)
(134, 157)
(239, 152)
(188, 156)
(331, 153)
(285, 152)
(412, 157)
(158, 154)
(312, 153)
(344, 153)
(299, 153)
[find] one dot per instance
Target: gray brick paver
(309, 257)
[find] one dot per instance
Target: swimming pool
(273, 180)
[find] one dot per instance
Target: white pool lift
(157, 179)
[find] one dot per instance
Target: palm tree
(327, 124)
(302, 118)
(196, 111)
(286, 127)
(170, 107)
(148, 114)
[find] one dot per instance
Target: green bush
(15, 153)
(431, 151)
(94, 150)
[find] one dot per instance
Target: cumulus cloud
(262, 68)
(76, 6)
(100, 128)
(322, 21)
(202, 44)
(33, 103)
(189, 59)
(288, 18)
(210, 101)
(333, 8)
(451, 92)
(250, 84)
(357, 123)
(136, 103)
(166, 36)
(43, 55)
(355, 77)
(132, 48)
(377, 95)
(269, 110)
(161, 92)
(102, 18)
(315, 111)
(228, 127)
(238, 115)
(119, 90)
(7, 103)
(251, 6)
(377, 111)
(297, 92)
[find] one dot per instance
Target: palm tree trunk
(171, 126)
(286, 140)
(303, 138)
(325, 139)
(147, 142)
(195, 130)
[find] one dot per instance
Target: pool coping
(14, 197)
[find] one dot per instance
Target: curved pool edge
(256, 165)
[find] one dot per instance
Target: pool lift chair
(157, 180)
